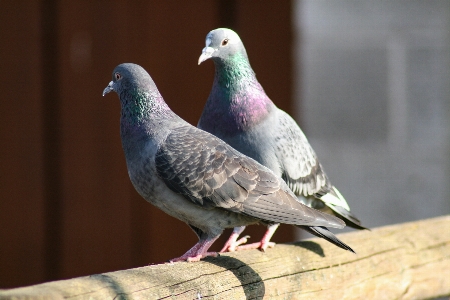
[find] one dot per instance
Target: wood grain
(405, 261)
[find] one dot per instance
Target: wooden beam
(405, 261)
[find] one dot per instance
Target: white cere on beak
(208, 41)
(108, 89)
(206, 53)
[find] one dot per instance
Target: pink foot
(194, 258)
(259, 245)
(265, 241)
(232, 243)
(199, 250)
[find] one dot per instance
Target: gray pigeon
(239, 112)
(196, 177)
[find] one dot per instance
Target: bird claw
(193, 258)
(241, 241)
(231, 246)
(264, 246)
(198, 257)
(259, 245)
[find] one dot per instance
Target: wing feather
(209, 172)
(301, 169)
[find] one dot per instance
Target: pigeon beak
(108, 89)
(207, 53)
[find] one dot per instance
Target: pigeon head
(226, 50)
(222, 44)
(138, 94)
(129, 77)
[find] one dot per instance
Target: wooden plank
(405, 261)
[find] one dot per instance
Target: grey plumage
(196, 177)
(239, 112)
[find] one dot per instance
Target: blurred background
(368, 81)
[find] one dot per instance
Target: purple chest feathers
(239, 112)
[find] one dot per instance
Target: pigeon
(239, 112)
(196, 177)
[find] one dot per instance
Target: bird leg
(199, 250)
(232, 243)
(265, 241)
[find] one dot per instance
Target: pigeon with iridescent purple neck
(239, 112)
(196, 177)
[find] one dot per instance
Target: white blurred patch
(80, 51)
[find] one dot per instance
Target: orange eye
(117, 76)
(224, 42)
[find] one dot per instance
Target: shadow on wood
(405, 261)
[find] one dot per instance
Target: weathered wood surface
(405, 261)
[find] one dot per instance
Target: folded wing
(211, 173)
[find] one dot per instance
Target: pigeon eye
(224, 42)
(117, 76)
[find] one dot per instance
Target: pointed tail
(337, 203)
(324, 233)
(349, 219)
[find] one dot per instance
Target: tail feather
(337, 203)
(334, 197)
(324, 233)
(349, 219)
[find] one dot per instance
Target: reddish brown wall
(22, 204)
(67, 207)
